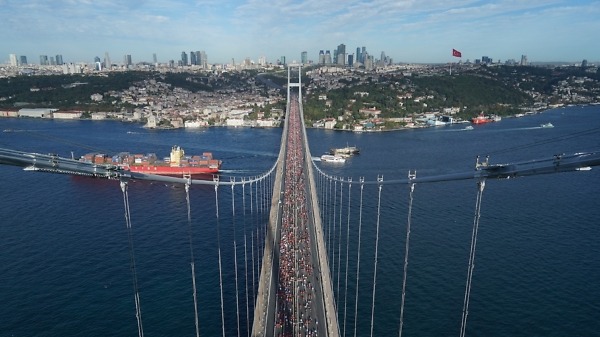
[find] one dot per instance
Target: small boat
(332, 159)
(547, 125)
(468, 127)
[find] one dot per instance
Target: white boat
(332, 159)
(468, 127)
(547, 125)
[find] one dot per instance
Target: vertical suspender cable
(237, 296)
(138, 309)
(219, 250)
(246, 257)
(360, 211)
(340, 240)
(347, 251)
(333, 231)
(465, 312)
(329, 224)
(408, 222)
(252, 243)
(189, 210)
(380, 179)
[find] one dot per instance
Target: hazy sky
(407, 30)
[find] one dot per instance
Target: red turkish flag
(456, 53)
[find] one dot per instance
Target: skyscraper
(59, 60)
(523, 60)
(107, 63)
(13, 60)
(327, 57)
(304, 57)
(193, 60)
(43, 60)
(203, 60)
(341, 55)
(23, 59)
(350, 60)
(154, 59)
(358, 59)
(127, 60)
(321, 57)
(184, 59)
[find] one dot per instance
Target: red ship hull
(478, 120)
(172, 171)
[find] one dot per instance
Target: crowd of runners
(296, 290)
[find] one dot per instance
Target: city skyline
(420, 32)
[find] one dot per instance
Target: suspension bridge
(292, 267)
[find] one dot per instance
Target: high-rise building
(107, 63)
(193, 60)
(350, 60)
(23, 60)
(363, 55)
(184, 59)
(12, 58)
(43, 60)
(96, 59)
(127, 60)
(584, 63)
(327, 57)
(198, 56)
(523, 60)
(154, 59)
(321, 57)
(282, 60)
(340, 56)
(59, 60)
(52, 62)
(358, 54)
(203, 60)
(369, 62)
(304, 57)
(262, 61)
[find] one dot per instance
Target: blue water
(64, 256)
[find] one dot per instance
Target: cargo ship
(177, 164)
(482, 119)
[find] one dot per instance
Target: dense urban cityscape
(341, 90)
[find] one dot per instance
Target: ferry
(332, 159)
